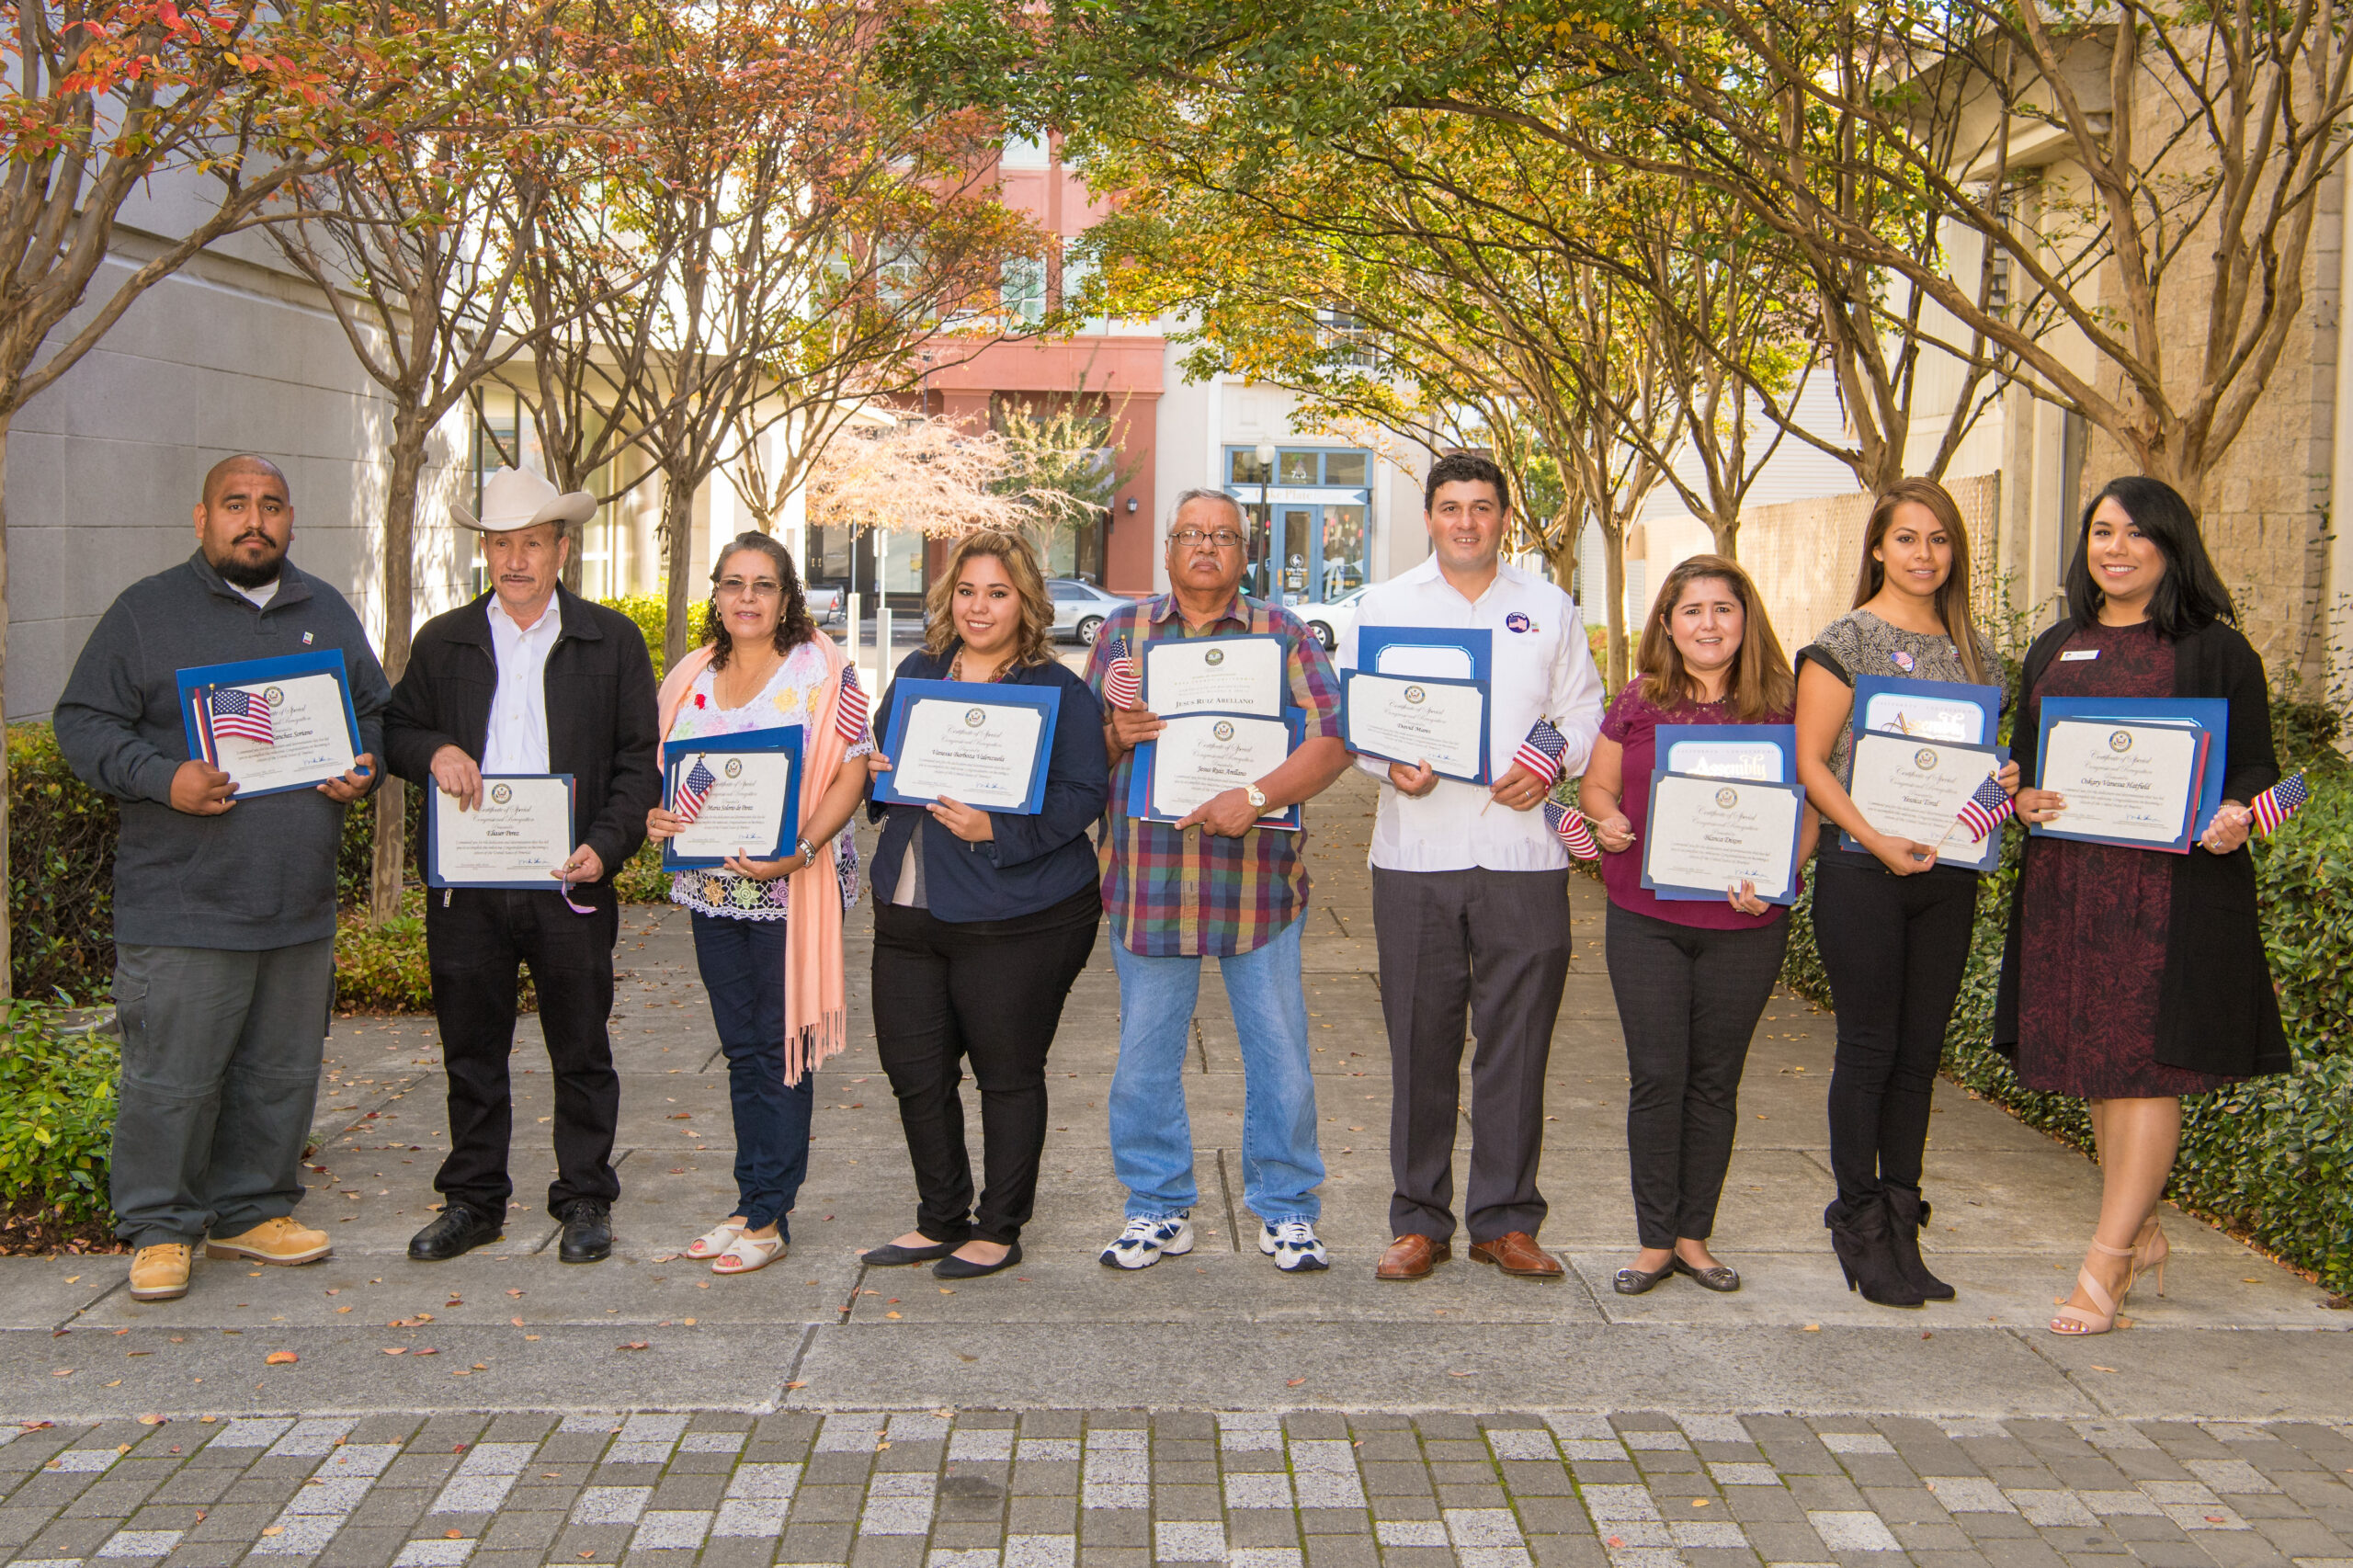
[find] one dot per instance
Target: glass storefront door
(1294, 538)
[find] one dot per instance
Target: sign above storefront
(1299, 496)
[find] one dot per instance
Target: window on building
(1297, 467)
(1025, 153)
(1023, 291)
(1345, 468)
(1348, 334)
(1243, 467)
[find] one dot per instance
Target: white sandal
(713, 1242)
(745, 1254)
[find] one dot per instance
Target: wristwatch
(1257, 797)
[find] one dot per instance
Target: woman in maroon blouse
(1690, 977)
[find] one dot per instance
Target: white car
(825, 604)
(1330, 622)
(1081, 608)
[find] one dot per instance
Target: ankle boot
(1862, 1236)
(1908, 1216)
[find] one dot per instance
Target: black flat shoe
(954, 1268)
(1633, 1281)
(457, 1229)
(1718, 1279)
(587, 1232)
(891, 1255)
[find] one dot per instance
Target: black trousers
(477, 942)
(1895, 947)
(1687, 1003)
(991, 991)
(1494, 944)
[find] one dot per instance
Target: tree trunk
(678, 546)
(1613, 573)
(7, 950)
(389, 872)
(1727, 534)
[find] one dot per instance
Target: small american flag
(1986, 810)
(242, 715)
(2280, 802)
(693, 789)
(1123, 682)
(1540, 752)
(1570, 830)
(851, 714)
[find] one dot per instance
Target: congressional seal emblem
(1222, 730)
(1727, 798)
(501, 794)
(1214, 657)
(1924, 759)
(735, 768)
(976, 717)
(1415, 694)
(2121, 741)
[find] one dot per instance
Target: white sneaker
(1293, 1246)
(1147, 1240)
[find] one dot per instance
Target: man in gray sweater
(223, 909)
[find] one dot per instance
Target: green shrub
(642, 878)
(383, 969)
(61, 874)
(57, 1100)
(650, 611)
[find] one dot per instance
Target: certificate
(976, 743)
(1215, 675)
(1762, 752)
(1202, 756)
(1412, 721)
(2124, 783)
(1914, 790)
(741, 795)
(1707, 836)
(272, 724)
(518, 838)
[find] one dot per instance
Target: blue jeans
(1152, 1138)
(743, 968)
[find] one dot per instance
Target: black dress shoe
(1716, 1277)
(891, 1255)
(459, 1228)
(954, 1268)
(587, 1232)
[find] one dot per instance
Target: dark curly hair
(793, 626)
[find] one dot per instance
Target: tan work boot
(160, 1272)
(273, 1241)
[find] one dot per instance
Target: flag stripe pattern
(851, 713)
(1572, 831)
(2280, 802)
(1986, 810)
(1540, 753)
(693, 789)
(1123, 682)
(240, 713)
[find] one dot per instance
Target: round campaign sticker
(1901, 660)
(501, 794)
(1515, 622)
(976, 717)
(1415, 694)
(1214, 657)
(735, 768)
(2121, 741)
(1727, 798)
(1924, 759)
(1222, 730)
(272, 696)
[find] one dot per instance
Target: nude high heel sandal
(2149, 1254)
(2072, 1319)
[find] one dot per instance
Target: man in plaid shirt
(1215, 884)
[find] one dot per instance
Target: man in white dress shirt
(1470, 890)
(527, 679)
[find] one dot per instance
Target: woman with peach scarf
(769, 933)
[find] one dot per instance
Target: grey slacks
(219, 1075)
(1494, 944)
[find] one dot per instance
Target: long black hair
(793, 626)
(2190, 595)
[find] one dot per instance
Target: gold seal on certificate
(742, 797)
(981, 753)
(2124, 783)
(1707, 836)
(1215, 675)
(1415, 719)
(519, 837)
(1912, 788)
(278, 734)
(1200, 755)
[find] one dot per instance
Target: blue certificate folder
(436, 802)
(1929, 710)
(1288, 819)
(196, 687)
(2209, 715)
(678, 757)
(1716, 895)
(1767, 752)
(905, 694)
(1476, 642)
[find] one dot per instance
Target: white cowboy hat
(513, 498)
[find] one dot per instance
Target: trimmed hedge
(57, 1100)
(652, 613)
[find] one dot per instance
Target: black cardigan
(2216, 1009)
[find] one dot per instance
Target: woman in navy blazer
(982, 921)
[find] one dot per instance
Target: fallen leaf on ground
(453, 1535)
(2099, 1369)
(395, 1349)
(1294, 1383)
(116, 1384)
(799, 1385)
(151, 1420)
(517, 1322)
(273, 1530)
(281, 1358)
(634, 1344)
(1814, 1328)
(429, 1350)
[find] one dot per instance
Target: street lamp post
(1266, 455)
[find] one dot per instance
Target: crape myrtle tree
(187, 116)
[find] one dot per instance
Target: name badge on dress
(2074, 655)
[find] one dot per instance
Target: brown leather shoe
(1516, 1252)
(1412, 1256)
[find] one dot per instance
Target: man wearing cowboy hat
(529, 679)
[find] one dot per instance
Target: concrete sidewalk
(508, 1328)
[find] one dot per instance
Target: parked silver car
(1081, 608)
